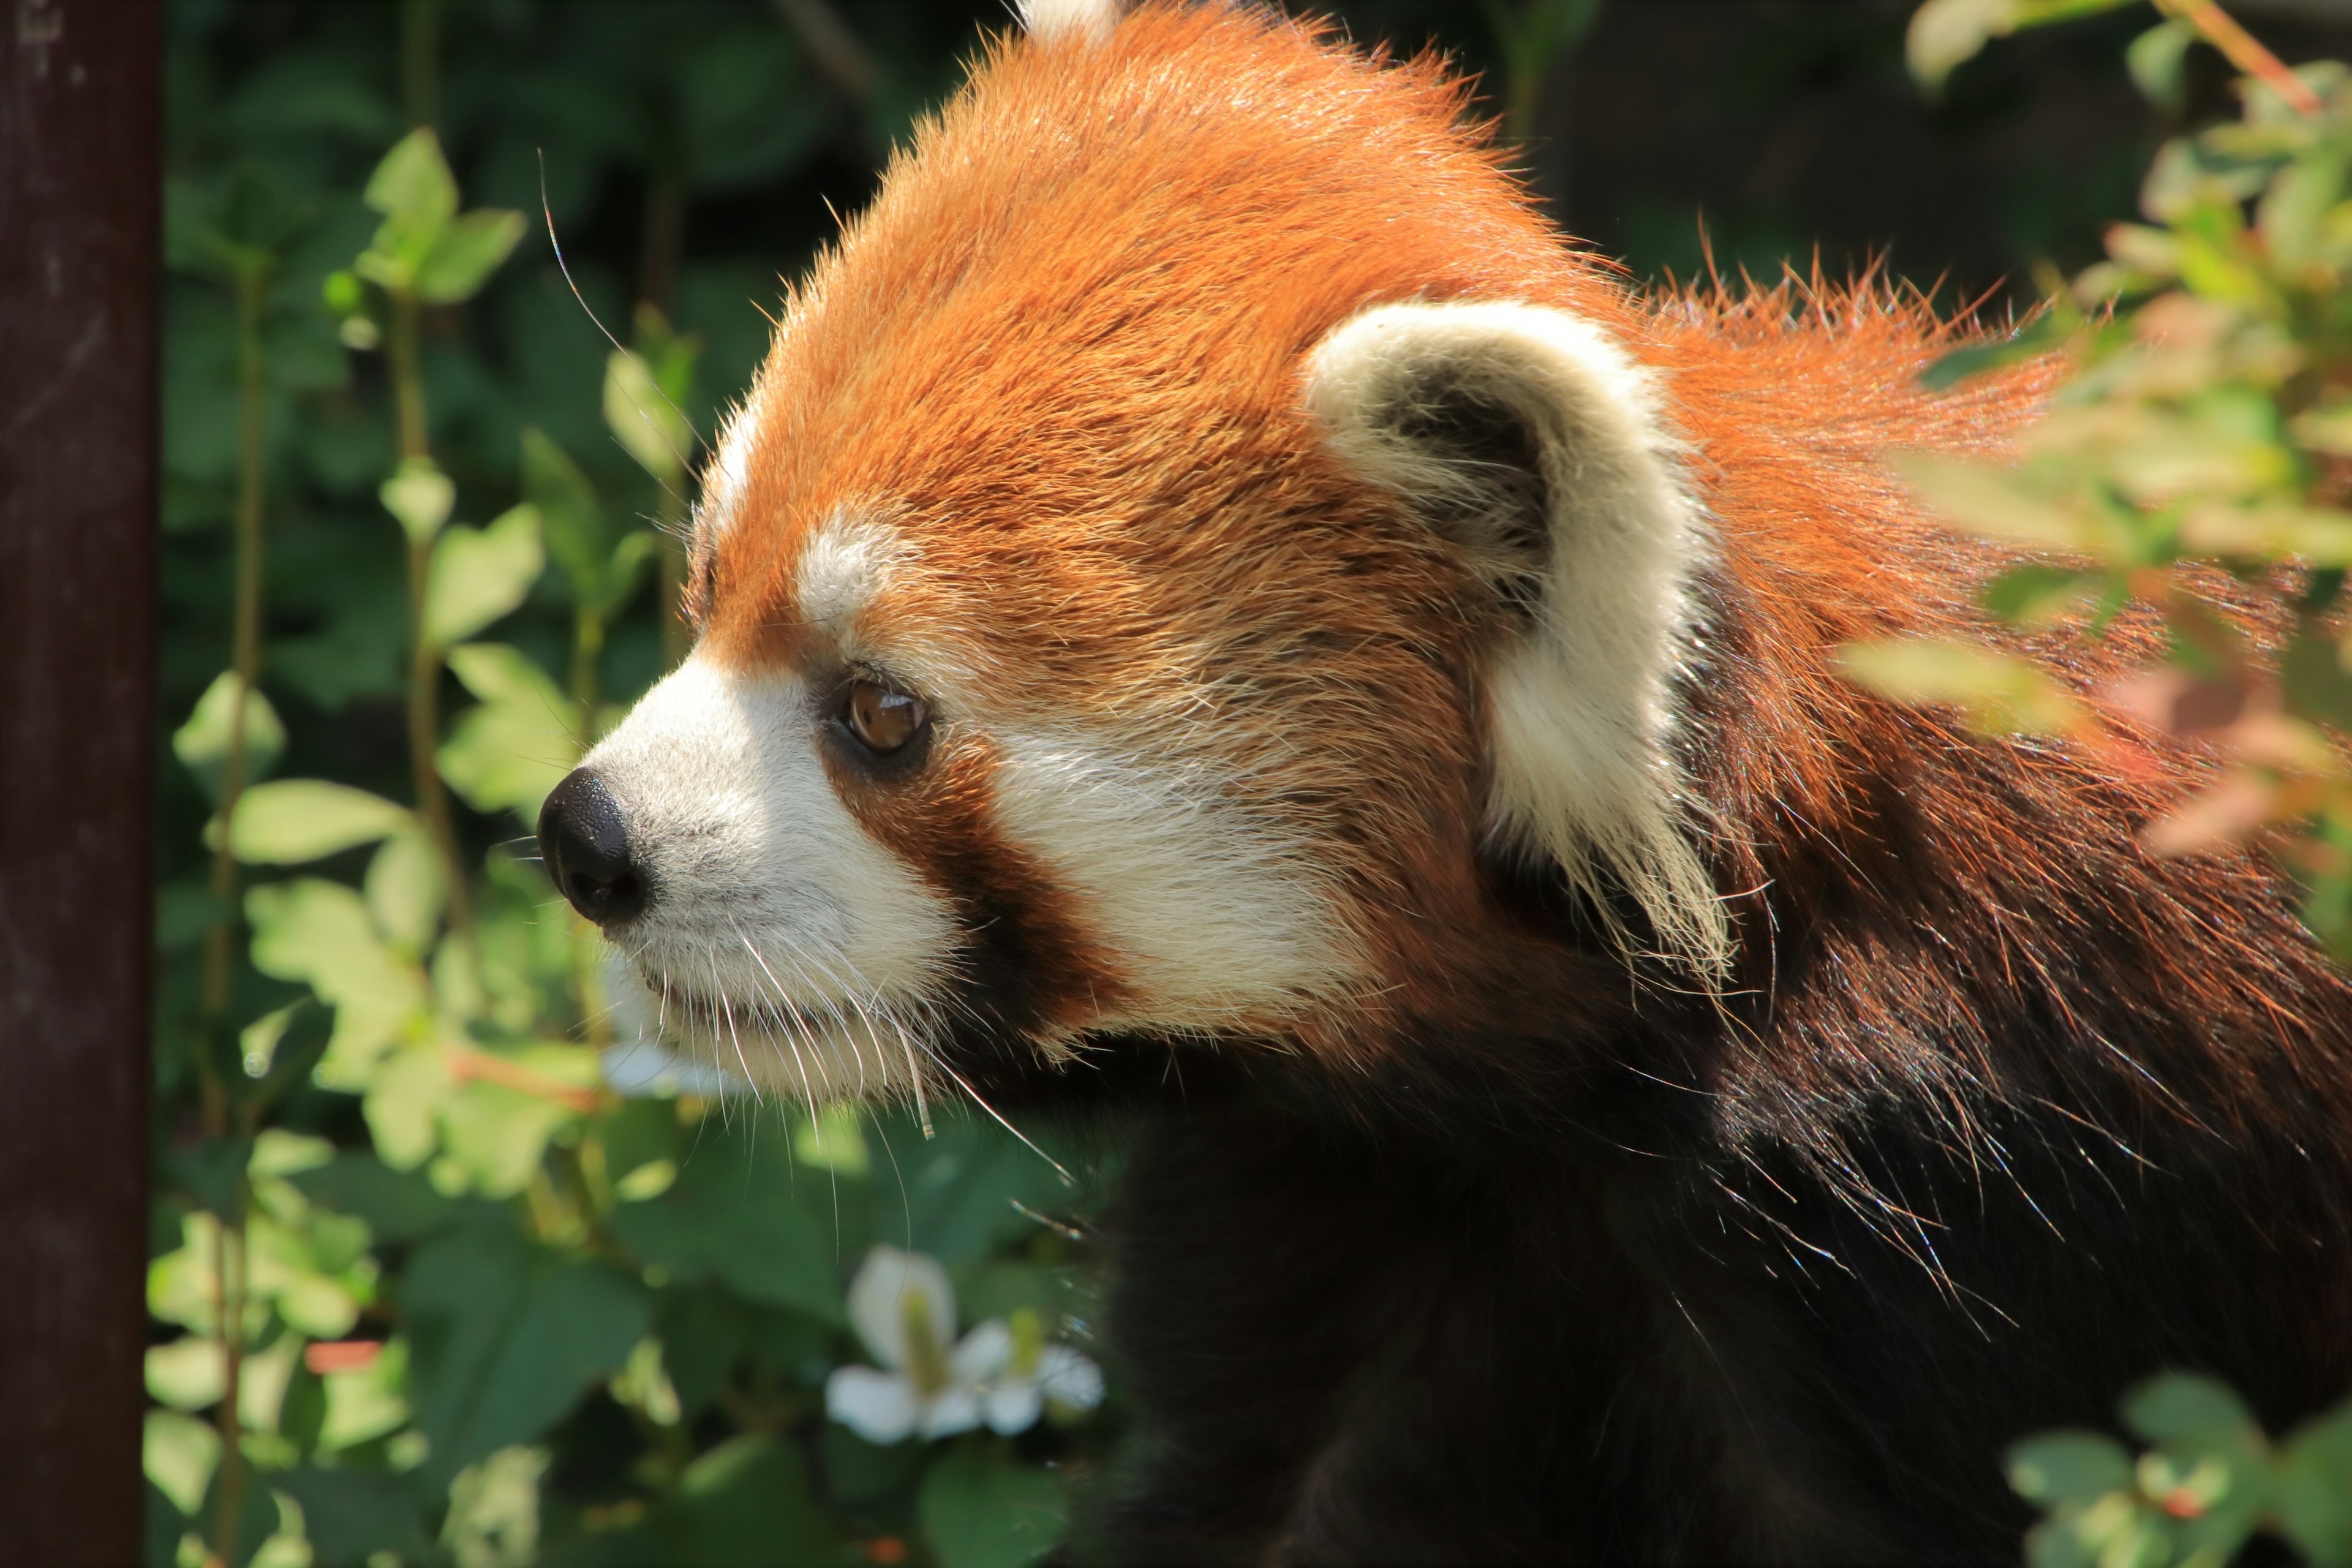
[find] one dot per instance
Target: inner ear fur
(1535, 447)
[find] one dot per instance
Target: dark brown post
(79, 218)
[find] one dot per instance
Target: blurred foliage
(451, 1264)
(2196, 462)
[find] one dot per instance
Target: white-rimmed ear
(1535, 445)
(1051, 21)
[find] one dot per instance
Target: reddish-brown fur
(1064, 349)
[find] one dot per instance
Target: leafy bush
(452, 1263)
(2193, 464)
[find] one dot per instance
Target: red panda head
(1196, 527)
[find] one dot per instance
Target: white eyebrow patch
(724, 478)
(842, 565)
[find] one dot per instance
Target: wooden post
(79, 212)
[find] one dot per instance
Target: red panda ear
(1535, 445)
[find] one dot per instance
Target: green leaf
(2156, 59)
(751, 1235)
(497, 1135)
(507, 1338)
(403, 1103)
(187, 1374)
(178, 1454)
(1996, 692)
(746, 1503)
(2041, 335)
(2178, 1407)
(1986, 500)
(421, 496)
(293, 820)
(1944, 34)
(2034, 594)
(397, 1205)
(2312, 1494)
(417, 194)
(202, 743)
(644, 419)
(464, 252)
(518, 745)
(574, 526)
(2068, 1467)
(407, 889)
(319, 933)
(480, 575)
(982, 1510)
(350, 1515)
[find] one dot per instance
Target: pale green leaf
(480, 575)
(574, 524)
(178, 1453)
(508, 752)
(497, 1135)
(403, 1105)
(2068, 1467)
(2156, 59)
(321, 932)
(1996, 692)
(188, 1373)
(202, 743)
(289, 821)
(421, 496)
(464, 252)
(1985, 500)
(1944, 34)
(413, 181)
(645, 420)
(407, 889)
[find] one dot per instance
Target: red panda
(1213, 607)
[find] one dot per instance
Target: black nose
(586, 846)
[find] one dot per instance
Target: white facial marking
(729, 467)
(1580, 706)
(780, 941)
(1215, 916)
(1050, 21)
(843, 564)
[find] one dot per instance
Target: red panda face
(1195, 526)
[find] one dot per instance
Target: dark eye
(881, 719)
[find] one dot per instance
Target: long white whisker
(1067, 1179)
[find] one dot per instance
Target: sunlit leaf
(497, 1135)
(321, 932)
(405, 889)
(1986, 499)
(645, 420)
(178, 1453)
(421, 496)
(202, 743)
(480, 575)
(518, 745)
(2156, 59)
(403, 1103)
(464, 252)
(1998, 692)
(187, 1374)
(413, 181)
(291, 821)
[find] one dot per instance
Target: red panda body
(1211, 608)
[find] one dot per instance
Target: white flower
(1002, 1373)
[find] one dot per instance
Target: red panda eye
(883, 720)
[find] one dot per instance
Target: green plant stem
(228, 1306)
(244, 663)
(2243, 50)
(425, 659)
(420, 48)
